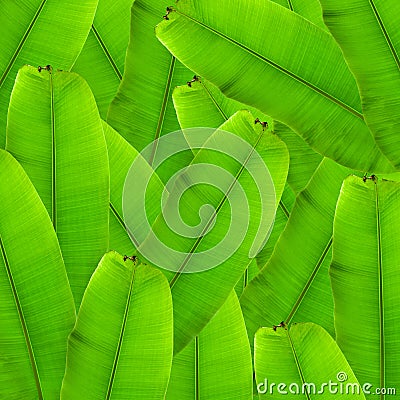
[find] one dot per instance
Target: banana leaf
(281, 219)
(102, 59)
(121, 345)
(365, 279)
(55, 132)
(217, 363)
(309, 86)
(294, 285)
(310, 9)
(202, 104)
(209, 288)
(121, 156)
(37, 32)
(150, 75)
(303, 362)
(368, 34)
(37, 309)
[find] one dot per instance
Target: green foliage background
(77, 320)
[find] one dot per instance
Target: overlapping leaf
(217, 363)
(37, 309)
(102, 59)
(121, 346)
(121, 156)
(142, 109)
(294, 285)
(365, 279)
(367, 31)
(203, 105)
(208, 290)
(60, 143)
(39, 32)
(308, 86)
(303, 362)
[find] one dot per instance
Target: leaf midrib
(385, 33)
(214, 215)
(23, 322)
(123, 225)
(53, 157)
(121, 335)
(104, 47)
(225, 116)
(278, 67)
(309, 281)
(381, 300)
(197, 367)
(21, 43)
(296, 359)
(163, 110)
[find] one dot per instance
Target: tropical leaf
(364, 274)
(36, 305)
(199, 250)
(121, 156)
(202, 104)
(303, 362)
(281, 219)
(60, 144)
(251, 271)
(294, 285)
(308, 86)
(39, 33)
(310, 9)
(102, 59)
(367, 32)
(217, 363)
(121, 346)
(142, 111)
(303, 159)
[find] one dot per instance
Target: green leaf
(60, 143)
(182, 253)
(121, 346)
(150, 74)
(39, 32)
(102, 59)
(294, 285)
(365, 280)
(203, 105)
(281, 219)
(121, 156)
(303, 159)
(217, 363)
(301, 363)
(310, 9)
(36, 305)
(368, 34)
(308, 86)
(251, 271)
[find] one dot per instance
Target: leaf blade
(132, 338)
(284, 75)
(62, 148)
(37, 308)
